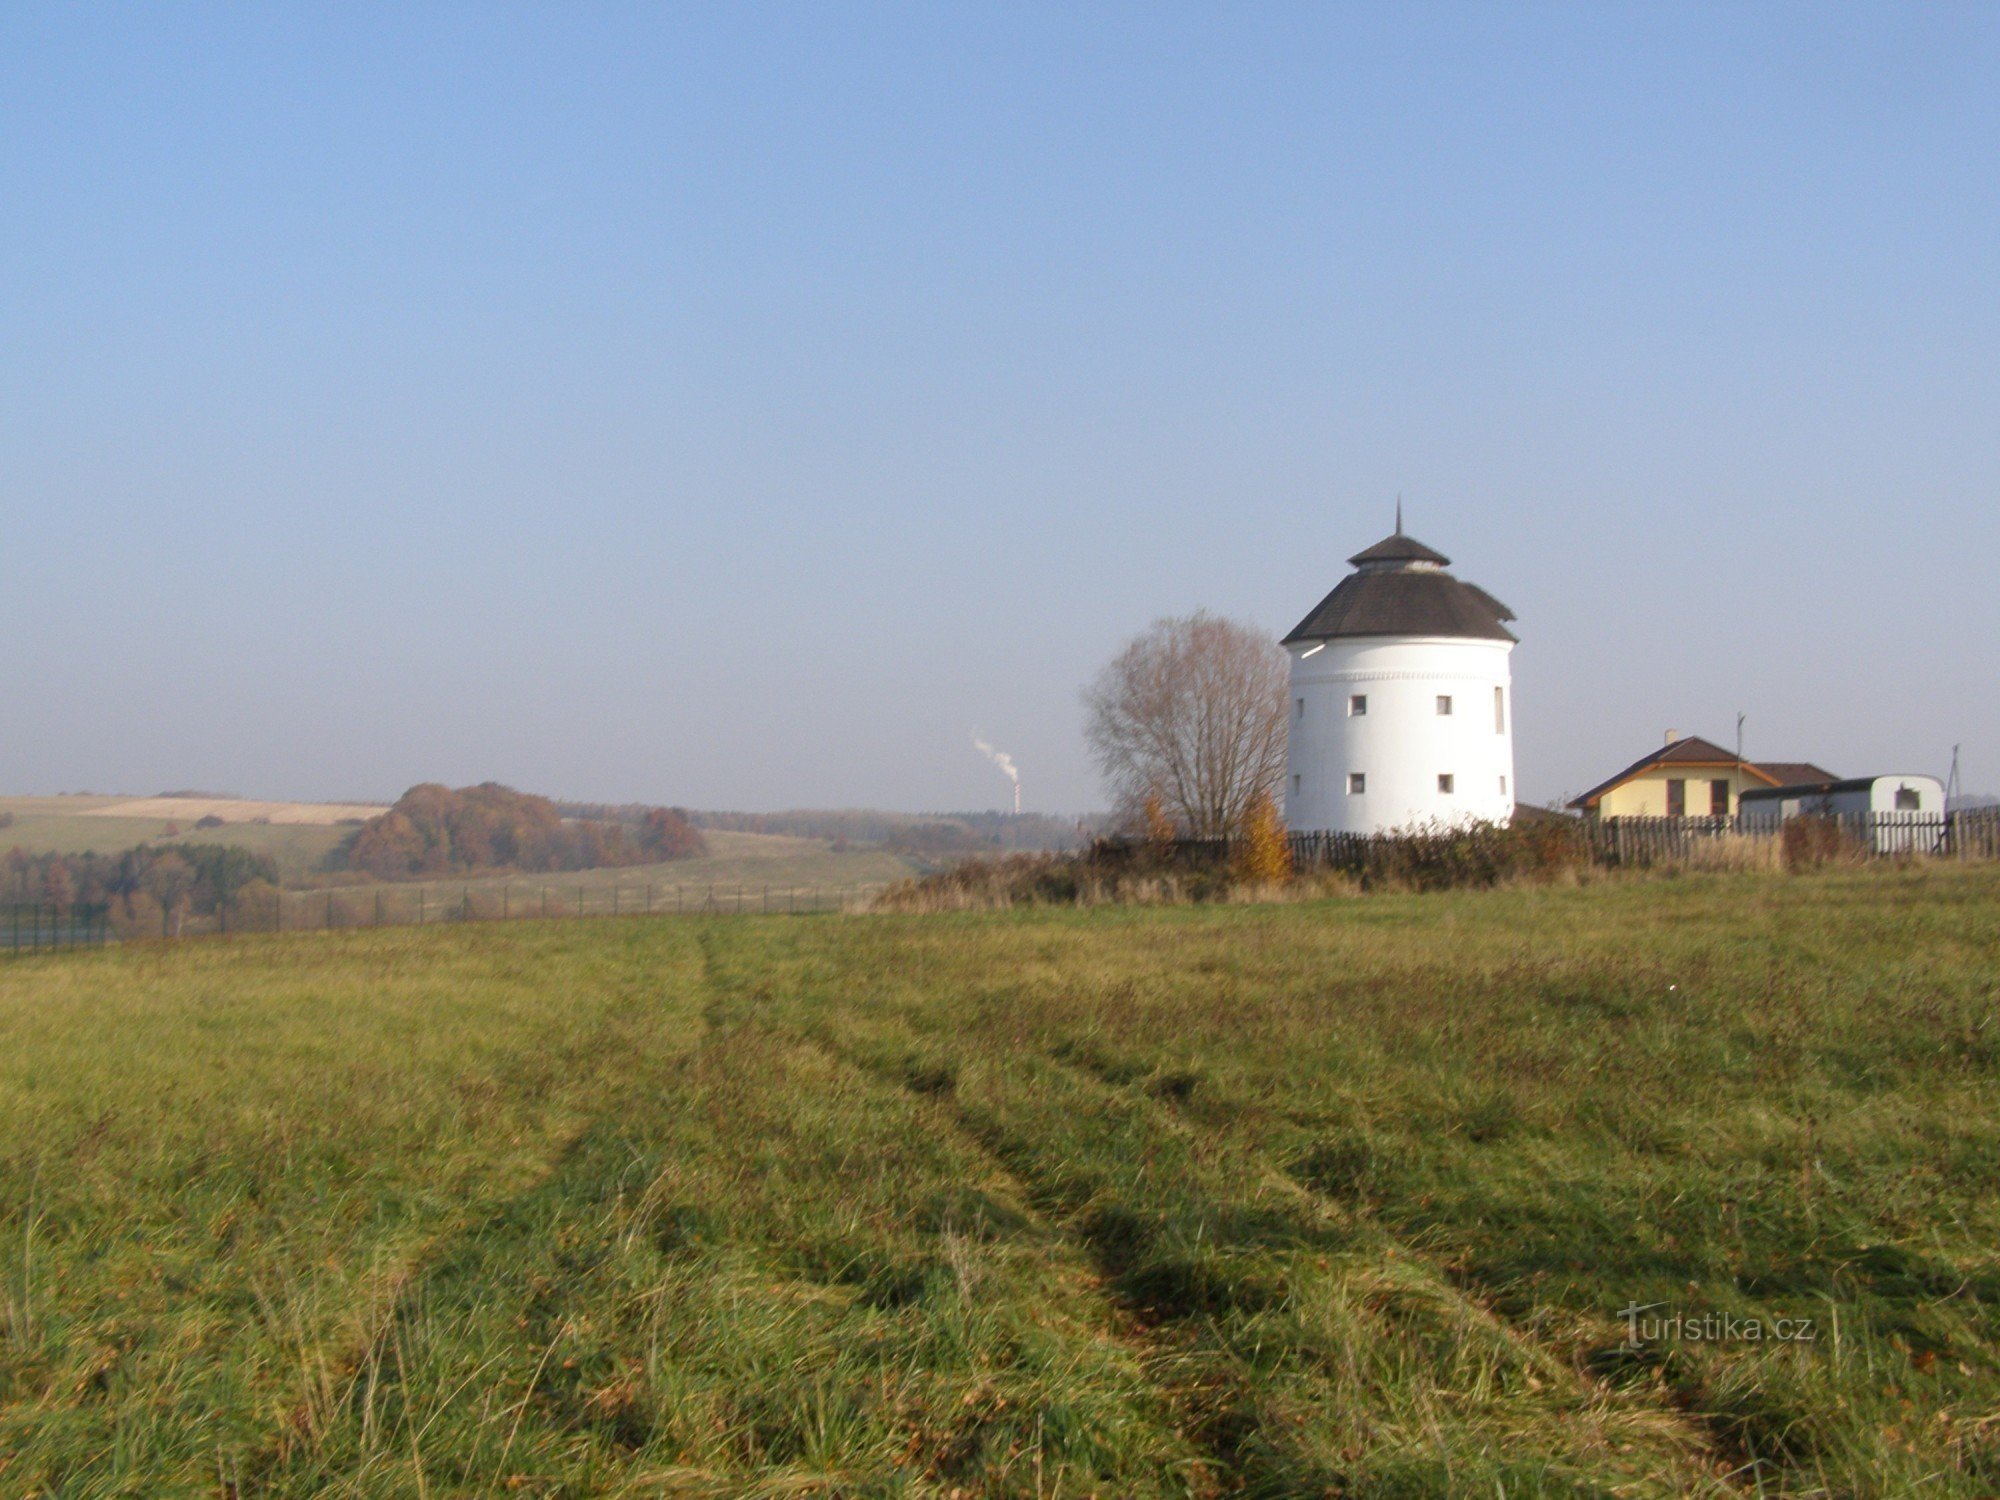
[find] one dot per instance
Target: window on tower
(1299, 708)
(1445, 783)
(1357, 783)
(1499, 710)
(1357, 705)
(1444, 703)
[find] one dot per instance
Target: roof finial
(1399, 512)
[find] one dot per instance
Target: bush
(1812, 842)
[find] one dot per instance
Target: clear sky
(739, 406)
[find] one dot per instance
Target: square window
(1444, 704)
(1909, 799)
(1357, 783)
(1357, 705)
(1445, 783)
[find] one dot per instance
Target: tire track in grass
(1214, 1406)
(366, 1392)
(1685, 1432)
(984, 1212)
(1224, 1293)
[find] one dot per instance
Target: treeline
(916, 833)
(150, 889)
(434, 830)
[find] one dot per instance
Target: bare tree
(1193, 713)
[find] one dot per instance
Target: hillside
(1337, 1198)
(298, 835)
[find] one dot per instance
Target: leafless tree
(1191, 712)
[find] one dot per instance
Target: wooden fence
(1639, 842)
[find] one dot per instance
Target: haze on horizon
(742, 408)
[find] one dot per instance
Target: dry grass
(186, 810)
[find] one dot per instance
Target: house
(1400, 699)
(1690, 777)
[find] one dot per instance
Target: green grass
(1338, 1198)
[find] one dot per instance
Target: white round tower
(1402, 713)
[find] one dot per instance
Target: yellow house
(1689, 777)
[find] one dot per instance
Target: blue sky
(740, 406)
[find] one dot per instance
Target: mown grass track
(1333, 1199)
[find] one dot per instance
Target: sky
(743, 406)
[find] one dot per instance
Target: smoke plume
(1005, 762)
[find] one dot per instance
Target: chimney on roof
(1672, 735)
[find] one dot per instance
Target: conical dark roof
(1400, 588)
(1400, 548)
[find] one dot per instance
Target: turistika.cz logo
(1644, 1325)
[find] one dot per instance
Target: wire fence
(420, 906)
(45, 927)
(31, 927)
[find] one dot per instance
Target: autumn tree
(1263, 854)
(1191, 712)
(170, 880)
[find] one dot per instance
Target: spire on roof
(1399, 513)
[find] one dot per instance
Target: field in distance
(300, 836)
(740, 872)
(1335, 1198)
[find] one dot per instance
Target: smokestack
(1005, 763)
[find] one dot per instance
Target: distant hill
(434, 830)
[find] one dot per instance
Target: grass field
(91, 825)
(1341, 1198)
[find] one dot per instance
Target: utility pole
(1739, 763)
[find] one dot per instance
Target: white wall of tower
(1402, 744)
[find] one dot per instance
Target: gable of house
(1690, 777)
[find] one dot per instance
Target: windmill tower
(1402, 711)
